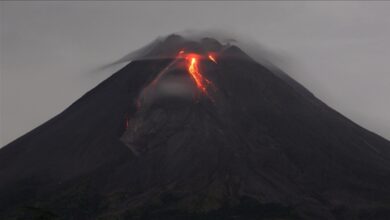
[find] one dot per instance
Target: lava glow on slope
(212, 58)
(192, 65)
(193, 69)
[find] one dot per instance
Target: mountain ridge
(260, 143)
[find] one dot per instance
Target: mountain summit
(196, 130)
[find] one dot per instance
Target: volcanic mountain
(196, 130)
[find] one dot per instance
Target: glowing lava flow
(211, 57)
(194, 71)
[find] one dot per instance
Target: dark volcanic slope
(262, 147)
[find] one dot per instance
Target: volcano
(196, 130)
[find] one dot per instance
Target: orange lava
(212, 58)
(193, 70)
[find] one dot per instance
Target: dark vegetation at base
(34, 213)
(248, 208)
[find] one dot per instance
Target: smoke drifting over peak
(215, 40)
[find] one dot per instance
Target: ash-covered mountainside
(196, 130)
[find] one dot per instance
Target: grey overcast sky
(51, 51)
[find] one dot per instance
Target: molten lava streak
(193, 69)
(211, 57)
(192, 63)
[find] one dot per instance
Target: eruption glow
(194, 71)
(192, 61)
(211, 57)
